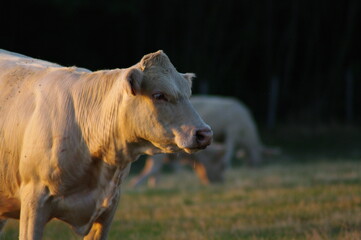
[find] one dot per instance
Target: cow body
(68, 136)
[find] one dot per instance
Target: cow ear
(133, 80)
(189, 77)
(151, 59)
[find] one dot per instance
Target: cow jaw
(161, 149)
(169, 147)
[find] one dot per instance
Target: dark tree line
(289, 61)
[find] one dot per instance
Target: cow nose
(204, 137)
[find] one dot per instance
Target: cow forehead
(167, 80)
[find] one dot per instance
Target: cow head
(158, 112)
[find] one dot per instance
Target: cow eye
(159, 96)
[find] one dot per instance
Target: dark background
(307, 51)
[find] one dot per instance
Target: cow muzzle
(196, 140)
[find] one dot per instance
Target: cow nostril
(199, 136)
(204, 137)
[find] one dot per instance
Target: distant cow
(207, 164)
(68, 136)
(233, 125)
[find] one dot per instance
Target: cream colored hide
(207, 164)
(68, 136)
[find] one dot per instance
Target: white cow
(68, 136)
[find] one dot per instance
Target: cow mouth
(188, 150)
(178, 149)
(193, 150)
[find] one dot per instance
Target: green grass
(311, 194)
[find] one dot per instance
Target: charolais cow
(68, 136)
(207, 164)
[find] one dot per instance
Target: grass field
(310, 192)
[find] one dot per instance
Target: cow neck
(96, 101)
(130, 144)
(127, 144)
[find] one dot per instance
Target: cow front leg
(2, 225)
(230, 148)
(201, 173)
(153, 166)
(35, 211)
(101, 225)
(100, 228)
